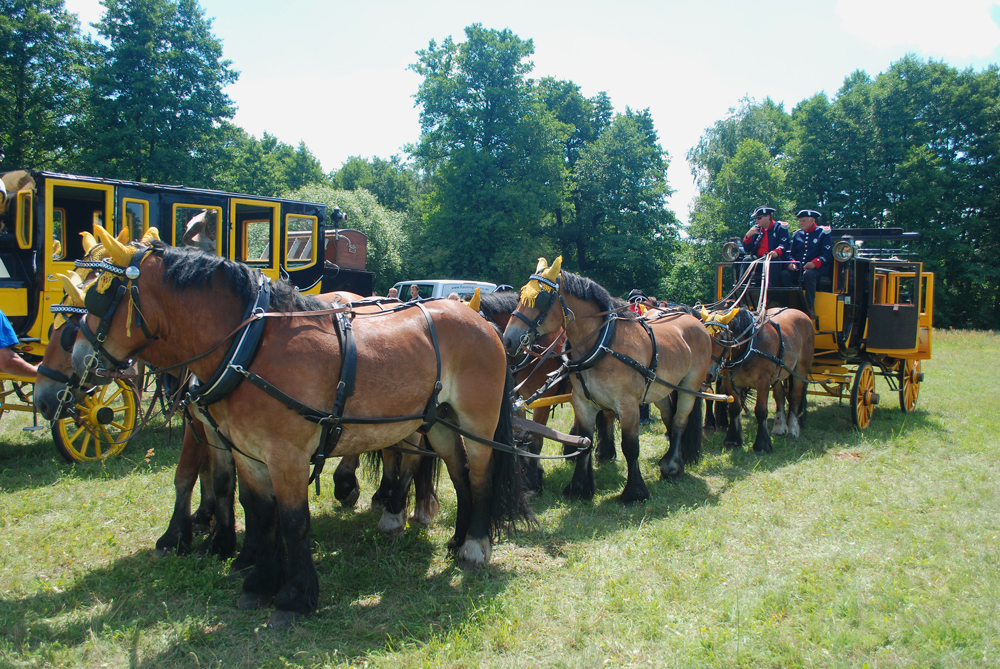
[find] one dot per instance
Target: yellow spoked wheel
(5, 393)
(863, 396)
(910, 377)
(104, 421)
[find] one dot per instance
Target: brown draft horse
(498, 307)
(749, 351)
(188, 302)
(595, 326)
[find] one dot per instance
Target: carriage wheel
(106, 416)
(910, 377)
(863, 396)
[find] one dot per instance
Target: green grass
(842, 550)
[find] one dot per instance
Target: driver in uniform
(766, 237)
(811, 257)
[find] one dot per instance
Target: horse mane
(495, 304)
(189, 268)
(590, 291)
(742, 322)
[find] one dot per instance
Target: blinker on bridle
(547, 295)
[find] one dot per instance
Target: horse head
(534, 315)
(116, 286)
(56, 376)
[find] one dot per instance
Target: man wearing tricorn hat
(811, 257)
(766, 237)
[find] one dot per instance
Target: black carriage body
(46, 213)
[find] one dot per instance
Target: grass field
(879, 549)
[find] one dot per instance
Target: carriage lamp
(844, 249)
(732, 250)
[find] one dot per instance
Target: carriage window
(24, 218)
(135, 217)
(300, 241)
(197, 226)
(906, 290)
(257, 248)
(58, 233)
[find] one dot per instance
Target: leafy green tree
(395, 184)
(157, 95)
(386, 237)
(621, 187)
(494, 154)
(43, 69)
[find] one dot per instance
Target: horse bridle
(129, 287)
(532, 334)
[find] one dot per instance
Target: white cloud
(952, 29)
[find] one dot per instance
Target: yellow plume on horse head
(474, 302)
(118, 253)
(717, 319)
(531, 289)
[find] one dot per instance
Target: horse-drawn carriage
(873, 317)
(41, 223)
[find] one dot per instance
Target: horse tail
(509, 506)
(693, 432)
(371, 466)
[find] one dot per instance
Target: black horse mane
(591, 291)
(186, 268)
(742, 323)
(495, 304)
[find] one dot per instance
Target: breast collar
(241, 353)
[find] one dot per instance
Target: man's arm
(12, 363)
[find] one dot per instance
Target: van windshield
(426, 290)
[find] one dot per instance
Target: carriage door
(893, 327)
(71, 207)
(303, 258)
(254, 234)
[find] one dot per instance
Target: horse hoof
(633, 495)
(351, 499)
(577, 492)
(392, 524)
(281, 620)
(425, 513)
(670, 473)
(251, 601)
(475, 553)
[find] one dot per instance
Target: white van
(444, 288)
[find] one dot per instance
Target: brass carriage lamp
(844, 249)
(732, 250)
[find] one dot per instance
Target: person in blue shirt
(10, 361)
(811, 257)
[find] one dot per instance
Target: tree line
(508, 168)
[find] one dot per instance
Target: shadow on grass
(33, 462)
(372, 589)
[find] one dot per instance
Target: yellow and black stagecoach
(42, 216)
(873, 317)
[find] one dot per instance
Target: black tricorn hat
(811, 213)
(762, 210)
(636, 294)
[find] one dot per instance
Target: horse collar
(241, 353)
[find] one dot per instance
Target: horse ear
(73, 291)
(552, 273)
(730, 316)
(705, 315)
(474, 302)
(151, 234)
(119, 254)
(123, 236)
(88, 242)
(542, 264)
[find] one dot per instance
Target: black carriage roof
(179, 189)
(875, 234)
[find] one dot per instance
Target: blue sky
(335, 74)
